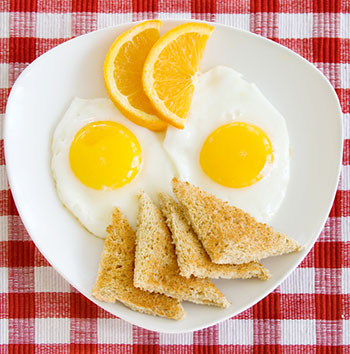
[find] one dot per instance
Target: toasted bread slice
(228, 234)
(192, 258)
(116, 271)
(156, 268)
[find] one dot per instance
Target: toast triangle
(156, 268)
(192, 258)
(116, 271)
(228, 234)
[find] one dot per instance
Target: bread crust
(116, 271)
(192, 258)
(156, 268)
(228, 234)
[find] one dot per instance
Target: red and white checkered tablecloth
(309, 313)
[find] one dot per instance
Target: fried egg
(235, 144)
(101, 160)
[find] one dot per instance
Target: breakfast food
(101, 160)
(235, 144)
(234, 150)
(192, 258)
(171, 69)
(115, 274)
(122, 73)
(156, 268)
(228, 234)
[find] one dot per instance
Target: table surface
(310, 312)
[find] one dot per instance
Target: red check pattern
(308, 313)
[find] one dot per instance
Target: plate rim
(303, 253)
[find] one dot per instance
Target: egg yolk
(236, 154)
(105, 155)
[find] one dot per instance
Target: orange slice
(122, 74)
(171, 70)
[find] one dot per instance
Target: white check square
(298, 332)
(345, 75)
(236, 331)
(346, 125)
(4, 228)
(4, 74)
(107, 333)
(344, 25)
(345, 228)
(2, 118)
(5, 24)
(48, 280)
(346, 332)
(52, 330)
(4, 280)
(345, 178)
(54, 25)
(173, 15)
(111, 19)
(4, 331)
(3, 178)
(295, 25)
(241, 21)
(301, 281)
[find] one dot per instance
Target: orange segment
(122, 73)
(171, 69)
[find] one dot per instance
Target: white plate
(299, 91)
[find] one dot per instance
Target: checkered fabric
(309, 313)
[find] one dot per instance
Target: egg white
(222, 96)
(93, 208)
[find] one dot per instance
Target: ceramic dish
(296, 88)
